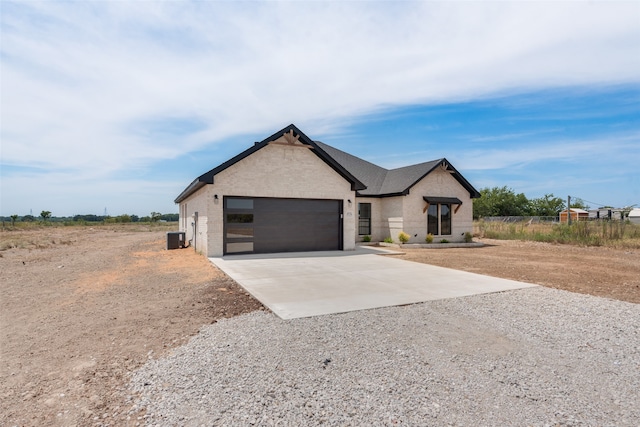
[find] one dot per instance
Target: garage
(268, 225)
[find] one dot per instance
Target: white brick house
(289, 193)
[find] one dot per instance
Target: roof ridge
(418, 164)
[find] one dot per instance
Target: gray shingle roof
(382, 182)
(379, 182)
(371, 175)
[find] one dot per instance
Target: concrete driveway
(308, 284)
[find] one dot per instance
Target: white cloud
(611, 152)
(85, 85)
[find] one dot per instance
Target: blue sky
(120, 105)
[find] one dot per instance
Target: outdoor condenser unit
(175, 239)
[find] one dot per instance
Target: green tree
(500, 201)
(123, 218)
(45, 215)
(578, 203)
(14, 218)
(170, 217)
(28, 218)
(155, 216)
(549, 205)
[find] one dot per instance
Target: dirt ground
(82, 307)
(604, 272)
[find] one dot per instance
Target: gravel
(536, 357)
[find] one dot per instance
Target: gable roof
(383, 182)
(208, 177)
(366, 178)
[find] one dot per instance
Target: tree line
(45, 216)
(503, 201)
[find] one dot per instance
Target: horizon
(119, 106)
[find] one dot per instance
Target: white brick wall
(279, 171)
(195, 203)
(437, 183)
(286, 171)
(381, 210)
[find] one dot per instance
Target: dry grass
(38, 235)
(612, 234)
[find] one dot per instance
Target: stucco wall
(280, 171)
(437, 183)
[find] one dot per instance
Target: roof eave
(208, 177)
(473, 193)
(192, 188)
(383, 195)
(355, 183)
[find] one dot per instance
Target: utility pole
(569, 210)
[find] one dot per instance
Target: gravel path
(533, 357)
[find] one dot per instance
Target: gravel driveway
(534, 356)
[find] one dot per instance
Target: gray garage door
(264, 225)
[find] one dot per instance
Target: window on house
(239, 225)
(183, 214)
(432, 220)
(239, 203)
(439, 219)
(445, 219)
(364, 219)
(236, 218)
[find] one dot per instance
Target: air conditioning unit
(175, 240)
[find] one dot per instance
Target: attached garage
(266, 225)
(288, 193)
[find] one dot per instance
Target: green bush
(388, 240)
(468, 237)
(429, 238)
(403, 237)
(366, 238)
(444, 241)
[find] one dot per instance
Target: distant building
(606, 213)
(634, 216)
(576, 215)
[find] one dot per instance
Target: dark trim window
(364, 219)
(432, 220)
(238, 225)
(445, 220)
(439, 219)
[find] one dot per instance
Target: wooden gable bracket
(290, 140)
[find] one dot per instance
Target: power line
(593, 203)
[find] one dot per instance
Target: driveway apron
(305, 284)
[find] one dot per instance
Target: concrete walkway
(308, 284)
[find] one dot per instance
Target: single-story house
(289, 193)
(605, 213)
(576, 215)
